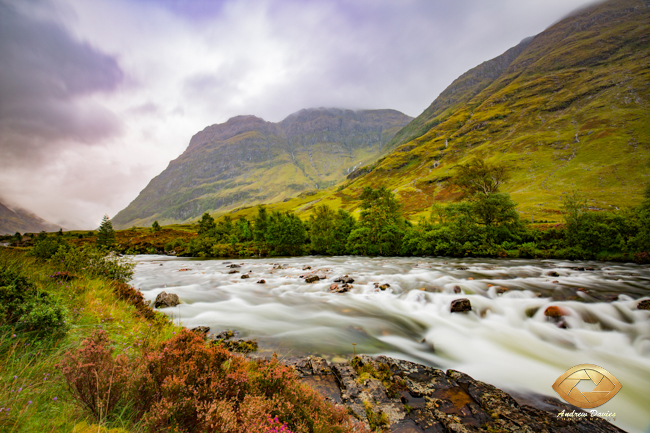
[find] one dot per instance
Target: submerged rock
(245, 276)
(312, 278)
(461, 305)
(261, 282)
(233, 272)
(644, 305)
(164, 300)
(335, 288)
(552, 274)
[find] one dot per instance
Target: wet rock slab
(398, 396)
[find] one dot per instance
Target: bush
(188, 385)
(47, 246)
(25, 308)
(93, 261)
(97, 379)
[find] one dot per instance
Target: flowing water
(505, 340)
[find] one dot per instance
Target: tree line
(484, 223)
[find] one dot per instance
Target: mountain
(247, 160)
(566, 110)
(19, 220)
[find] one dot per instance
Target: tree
(261, 223)
(285, 233)
(60, 232)
(381, 226)
(495, 210)
(329, 230)
(206, 224)
(155, 227)
(105, 233)
(477, 178)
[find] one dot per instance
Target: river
(506, 339)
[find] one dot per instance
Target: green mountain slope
(18, 220)
(566, 110)
(246, 161)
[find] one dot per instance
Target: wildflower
(55, 398)
(15, 377)
(29, 402)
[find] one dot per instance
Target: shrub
(26, 308)
(47, 246)
(93, 261)
(94, 377)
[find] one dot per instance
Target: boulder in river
(245, 276)
(344, 279)
(552, 274)
(261, 282)
(312, 278)
(335, 288)
(234, 265)
(382, 286)
(233, 272)
(165, 299)
(643, 305)
(457, 289)
(555, 312)
(460, 305)
(306, 268)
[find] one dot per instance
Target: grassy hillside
(246, 161)
(569, 111)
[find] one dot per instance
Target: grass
(31, 386)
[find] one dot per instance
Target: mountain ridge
(22, 221)
(247, 160)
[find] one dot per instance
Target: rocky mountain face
(247, 160)
(22, 221)
(565, 110)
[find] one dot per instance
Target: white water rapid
(505, 340)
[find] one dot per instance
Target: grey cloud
(43, 74)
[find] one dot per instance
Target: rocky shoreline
(392, 395)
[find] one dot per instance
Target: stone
(552, 274)
(261, 282)
(233, 272)
(306, 268)
(245, 276)
(312, 278)
(201, 329)
(643, 305)
(335, 288)
(461, 305)
(164, 300)
(344, 279)
(555, 312)
(184, 269)
(457, 289)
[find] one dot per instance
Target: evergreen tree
(105, 233)
(155, 227)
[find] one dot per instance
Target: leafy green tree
(60, 232)
(206, 224)
(261, 224)
(105, 233)
(155, 227)
(495, 210)
(381, 226)
(285, 233)
(329, 230)
(243, 230)
(478, 178)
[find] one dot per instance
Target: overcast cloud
(97, 96)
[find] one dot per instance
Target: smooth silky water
(506, 340)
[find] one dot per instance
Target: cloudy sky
(97, 96)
